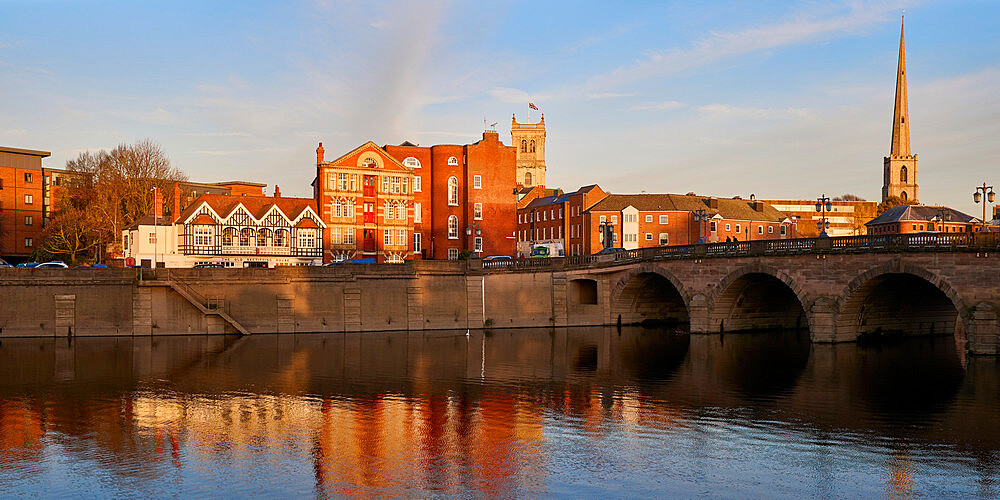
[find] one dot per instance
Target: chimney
(277, 192)
(713, 203)
(319, 154)
(758, 205)
(177, 201)
(158, 204)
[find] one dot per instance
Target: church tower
(900, 167)
(529, 139)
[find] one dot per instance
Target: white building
(235, 231)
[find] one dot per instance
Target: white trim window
(418, 243)
(649, 236)
(307, 238)
(452, 254)
(738, 228)
(477, 182)
(649, 218)
(783, 230)
(203, 235)
(417, 212)
(664, 219)
(452, 227)
(664, 239)
(401, 237)
(477, 211)
(400, 210)
(452, 161)
(387, 237)
(478, 244)
(453, 190)
(412, 162)
(770, 229)
(334, 235)
(417, 186)
(760, 229)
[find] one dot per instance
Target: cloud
(4, 45)
(379, 24)
(610, 95)
(515, 96)
(218, 134)
(658, 105)
(751, 112)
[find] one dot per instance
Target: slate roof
(728, 208)
(921, 213)
(149, 220)
(258, 206)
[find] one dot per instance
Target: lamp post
(823, 206)
(156, 227)
(978, 196)
(700, 216)
(468, 232)
(940, 218)
(607, 231)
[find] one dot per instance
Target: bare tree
(70, 235)
(890, 202)
(848, 197)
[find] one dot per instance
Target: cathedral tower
(529, 139)
(900, 167)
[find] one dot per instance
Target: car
(608, 251)
(3, 263)
(54, 264)
(498, 261)
(497, 257)
(210, 265)
(27, 264)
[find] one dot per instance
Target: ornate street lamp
(823, 206)
(978, 195)
(607, 230)
(468, 232)
(700, 216)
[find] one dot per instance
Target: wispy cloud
(751, 112)
(658, 105)
(4, 45)
(218, 134)
(515, 96)
(610, 95)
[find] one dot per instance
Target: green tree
(890, 202)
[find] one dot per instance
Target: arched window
(527, 178)
(531, 147)
(452, 227)
(412, 162)
(524, 145)
(401, 210)
(262, 236)
(281, 238)
(902, 174)
(389, 210)
(453, 191)
(903, 195)
(245, 235)
(370, 162)
(452, 161)
(228, 234)
(336, 209)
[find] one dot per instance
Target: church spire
(900, 128)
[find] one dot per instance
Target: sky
(724, 98)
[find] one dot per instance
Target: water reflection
(584, 412)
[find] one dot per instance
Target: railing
(890, 243)
(264, 251)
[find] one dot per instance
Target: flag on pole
(532, 106)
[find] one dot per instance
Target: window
(28, 243)
(27, 177)
(604, 218)
(28, 199)
(334, 235)
(348, 236)
(29, 220)
(527, 178)
(664, 239)
(477, 244)
(453, 190)
(228, 234)
(416, 184)
(125, 242)
(452, 161)
(418, 243)
(782, 230)
(452, 254)
(401, 210)
(406, 185)
(649, 236)
(727, 227)
(531, 147)
(395, 181)
(902, 175)
(713, 226)
(649, 218)
(417, 212)
(387, 237)
(354, 182)
(664, 219)
(477, 181)
(560, 212)
(737, 228)
(389, 210)
(545, 215)
(477, 211)
(412, 162)
(336, 208)
(452, 227)
(614, 219)
(914, 227)
(345, 181)
(202, 235)
(770, 229)
(152, 238)
(401, 237)
(519, 217)
(614, 238)
(760, 229)
(370, 163)
(524, 145)
(307, 238)
(245, 234)
(385, 183)
(262, 237)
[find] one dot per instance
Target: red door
(369, 240)
(368, 185)
(369, 213)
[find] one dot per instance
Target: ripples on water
(576, 412)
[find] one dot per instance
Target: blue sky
(780, 99)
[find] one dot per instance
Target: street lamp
(468, 232)
(607, 230)
(978, 195)
(700, 216)
(823, 206)
(156, 227)
(941, 218)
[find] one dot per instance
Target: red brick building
(21, 202)
(557, 218)
(920, 218)
(457, 197)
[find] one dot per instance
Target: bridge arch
(648, 292)
(898, 298)
(757, 296)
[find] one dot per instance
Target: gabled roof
(727, 208)
(257, 206)
(388, 159)
(923, 213)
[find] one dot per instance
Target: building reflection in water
(506, 413)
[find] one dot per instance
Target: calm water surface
(587, 412)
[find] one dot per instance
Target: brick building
(21, 202)
(847, 218)
(556, 218)
(529, 141)
(452, 198)
(920, 218)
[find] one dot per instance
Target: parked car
(27, 264)
(498, 261)
(54, 264)
(612, 250)
(210, 265)
(4, 263)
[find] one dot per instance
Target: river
(579, 412)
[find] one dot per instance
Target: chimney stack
(177, 201)
(319, 154)
(277, 192)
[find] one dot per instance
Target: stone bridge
(837, 288)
